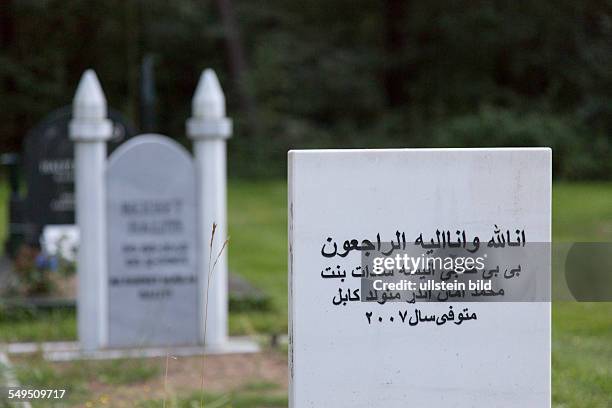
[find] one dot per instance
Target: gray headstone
(153, 284)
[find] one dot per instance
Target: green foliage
(38, 273)
(321, 73)
(33, 272)
(574, 156)
(31, 325)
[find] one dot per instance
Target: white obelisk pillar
(209, 129)
(90, 129)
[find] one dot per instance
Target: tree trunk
(236, 60)
(11, 135)
(395, 42)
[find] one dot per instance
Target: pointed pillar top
(89, 122)
(208, 100)
(89, 100)
(208, 120)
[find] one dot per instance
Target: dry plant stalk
(211, 269)
(166, 381)
(168, 356)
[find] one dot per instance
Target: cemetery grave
(48, 163)
(151, 243)
(43, 215)
(361, 353)
(151, 221)
(147, 246)
(266, 200)
(144, 238)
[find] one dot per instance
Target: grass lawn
(582, 332)
(257, 216)
(242, 398)
(76, 378)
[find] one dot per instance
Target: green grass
(232, 400)
(582, 332)
(76, 377)
(47, 326)
(582, 212)
(257, 214)
(582, 355)
(251, 395)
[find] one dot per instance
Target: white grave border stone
(90, 130)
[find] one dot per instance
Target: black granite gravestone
(49, 170)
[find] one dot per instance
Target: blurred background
(307, 74)
(332, 73)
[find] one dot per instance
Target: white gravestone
(348, 353)
(152, 279)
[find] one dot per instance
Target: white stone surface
(209, 129)
(208, 100)
(152, 242)
(60, 240)
(70, 351)
(208, 119)
(89, 100)
(337, 359)
(90, 129)
(8, 379)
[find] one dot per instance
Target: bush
(33, 271)
(576, 153)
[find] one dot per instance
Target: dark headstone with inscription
(49, 169)
(152, 281)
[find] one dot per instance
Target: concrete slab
(70, 351)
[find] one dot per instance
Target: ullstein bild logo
(427, 273)
(533, 272)
(414, 265)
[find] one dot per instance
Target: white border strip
(9, 378)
